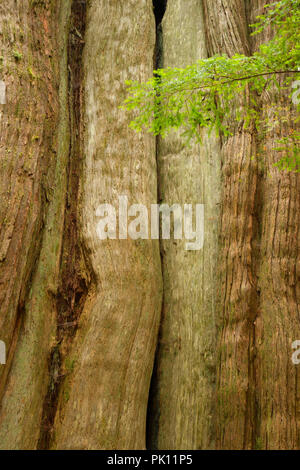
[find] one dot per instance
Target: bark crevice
(74, 276)
(159, 9)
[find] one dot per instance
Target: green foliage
(202, 95)
(289, 146)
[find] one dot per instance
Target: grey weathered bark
(181, 413)
(103, 401)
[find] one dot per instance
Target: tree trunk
(62, 323)
(81, 317)
(257, 384)
(181, 411)
(278, 324)
(34, 151)
(113, 350)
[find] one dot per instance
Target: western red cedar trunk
(103, 400)
(278, 275)
(226, 26)
(80, 317)
(257, 383)
(34, 146)
(181, 413)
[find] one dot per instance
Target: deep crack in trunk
(74, 280)
(159, 9)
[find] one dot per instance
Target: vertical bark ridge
(279, 325)
(27, 121)
(181, 411)
(227, 32)
(103, 401)
(258, 386)
(22, 403)
(74, 277)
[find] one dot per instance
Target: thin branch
(238, 79)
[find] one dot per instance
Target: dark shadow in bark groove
(74, 281)
(159, 8)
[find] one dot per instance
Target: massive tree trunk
(226, 26)
(278, 323)
(181, 414)
(34, 150)
(80, 316)
(257, 383)
(114, 347)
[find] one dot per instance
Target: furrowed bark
(74, 273)
(26, 151)
(278, 323)
(258, 385)
(35, 162)
(79, 315)
(181, 414)
(227, 32)
(103, 401)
